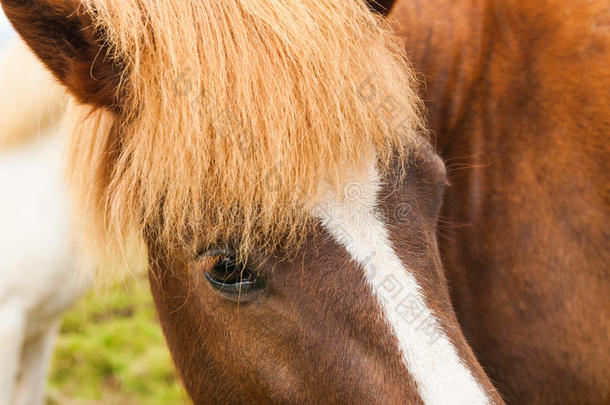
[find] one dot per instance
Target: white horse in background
(38, 261)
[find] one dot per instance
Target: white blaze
(426, 351)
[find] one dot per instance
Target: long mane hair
(236, 113)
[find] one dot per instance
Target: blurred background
(110, 349)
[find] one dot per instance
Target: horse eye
(232, 279)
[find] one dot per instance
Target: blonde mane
(31, 101)
(237, 112)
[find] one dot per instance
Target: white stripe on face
(426, 351)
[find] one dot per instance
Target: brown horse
(518, 94)
(323, 285)
(289, 211)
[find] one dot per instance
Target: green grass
(111, 351)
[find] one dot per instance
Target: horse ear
(61, 34)
(381, 6)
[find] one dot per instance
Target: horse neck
(448, 48)
(497, 90)
(508, 103)
(487, 64)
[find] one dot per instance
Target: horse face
(311, 329)
(358, 313)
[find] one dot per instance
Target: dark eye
(232, 279)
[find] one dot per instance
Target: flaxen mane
(237, 112)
